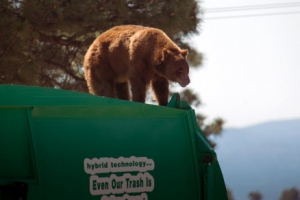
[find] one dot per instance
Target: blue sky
(251, 70)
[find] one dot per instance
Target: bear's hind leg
(160, 87)
(122, 91)
(97, 85)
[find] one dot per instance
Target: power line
(252, 7)
(252, 15)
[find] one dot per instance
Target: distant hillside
(264, 158)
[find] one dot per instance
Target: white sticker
(125, 183)
(121, 164)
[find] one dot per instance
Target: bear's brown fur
(136, 54)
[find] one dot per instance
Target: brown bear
(136, 54)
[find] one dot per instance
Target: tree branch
(9, 46)
(58, 40)
(66, 70)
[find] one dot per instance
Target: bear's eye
(179, 71)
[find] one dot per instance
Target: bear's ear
(184, 53)
(165, 54)
(160, 56)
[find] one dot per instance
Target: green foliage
(43, 42)
(214, 128)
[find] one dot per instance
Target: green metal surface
(69, 145)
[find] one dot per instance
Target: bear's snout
(185, 82)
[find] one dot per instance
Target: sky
(251, 68)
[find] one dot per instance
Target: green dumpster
(57, 144)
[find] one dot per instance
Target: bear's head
(176, 68)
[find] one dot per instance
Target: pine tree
(43, 42)
(255, 196)
(290, 194)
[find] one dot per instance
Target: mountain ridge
(264, 157)
(264, 123)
